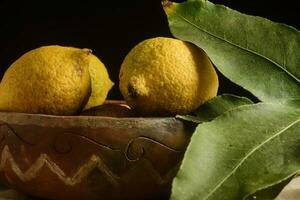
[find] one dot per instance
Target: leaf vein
(247, 156)
(241, 47)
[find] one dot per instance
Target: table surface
(290, 192)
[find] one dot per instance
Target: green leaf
(270, 193)
(215, 107)
(243, 151)
(260, 55)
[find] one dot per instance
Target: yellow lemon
(101, 83)
(50, 80)
(166, 76)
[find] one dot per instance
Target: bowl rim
(78, 116)
(10, 118)
(82, 116)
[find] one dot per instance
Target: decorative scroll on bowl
(91, 157)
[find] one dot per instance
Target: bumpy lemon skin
(100, 82)
(165, 76)
(50, 80)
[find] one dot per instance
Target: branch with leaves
(241, 150)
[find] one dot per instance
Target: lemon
(101, 83)
(50, 80)
(165, 76)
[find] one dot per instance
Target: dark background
(109, 28)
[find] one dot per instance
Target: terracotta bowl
(91, 157)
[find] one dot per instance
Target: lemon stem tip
(87, 51)
(167, 6)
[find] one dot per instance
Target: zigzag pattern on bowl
(95, 162)
(92, 163)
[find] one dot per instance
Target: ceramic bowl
(91, 157)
